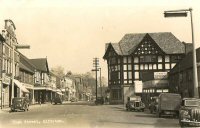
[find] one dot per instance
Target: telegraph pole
(96, 65)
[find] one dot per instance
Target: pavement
(7, 109)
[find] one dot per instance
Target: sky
(70, 33)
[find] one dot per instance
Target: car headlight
(185, 114)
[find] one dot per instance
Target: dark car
(135, 105)
(189, 113)
(73, 99)
(20, 103)
(99, 100)
(58, 99)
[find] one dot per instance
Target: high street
(82, 114)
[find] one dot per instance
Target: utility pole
(96, 65)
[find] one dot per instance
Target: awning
(19, 84)
(59, 93)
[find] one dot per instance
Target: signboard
(138, 86)
(160, 75)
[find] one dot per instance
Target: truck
(168, 104)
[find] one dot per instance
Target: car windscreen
(192, 102)
(17, 100)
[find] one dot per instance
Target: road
(84, 115)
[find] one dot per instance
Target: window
(125, 67)
(129, 75)
(159, 66)
(167, 66)
(129, 67)
(172, 65)
(148, 58)
(146, 66)
(136, 67)
(129, 59)
(141, 67)
(125, 59)
(167, 58)
(150, 66)
(154, 66)
(136, 75)
(125, 75)
(136, 60)
(159, 58)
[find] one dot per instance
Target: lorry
(168, 104)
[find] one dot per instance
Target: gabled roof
(130, 41)
(186, 63)
(2, 38)
(40, 64)
(168, 43)
(25, 64)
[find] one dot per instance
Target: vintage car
(58, 99)
(99, 100)
(134, 103)
(189, 113)
(73, 99)
(20, 103)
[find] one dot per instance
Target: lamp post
(100, 81)
(183, 13)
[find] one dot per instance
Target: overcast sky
(72, 32)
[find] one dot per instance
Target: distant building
(135, 55)
(181, 76)
(42, 88)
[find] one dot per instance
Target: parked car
(99, 100)
(153, 106)
(73, 99)
(58, 99)
(20, 103)
(189, 112)
(135, 104)
(168, 104)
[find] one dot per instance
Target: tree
(58, 70)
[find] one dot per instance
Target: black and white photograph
(99, 63)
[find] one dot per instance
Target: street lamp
(183, 13)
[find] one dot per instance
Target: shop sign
(138, 86)
(160, 75)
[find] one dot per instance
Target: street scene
(99, 64)
(83, 114)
